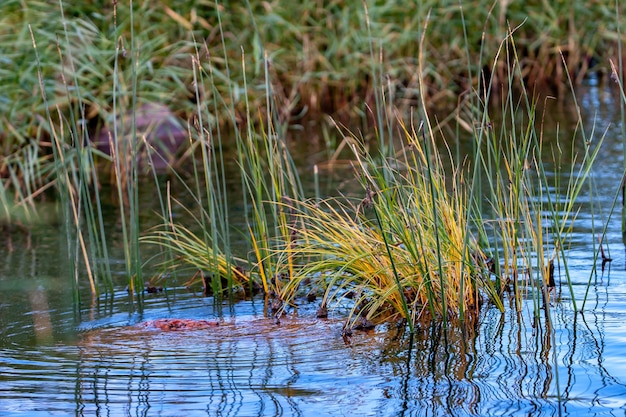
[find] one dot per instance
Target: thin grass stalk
(602, 235)
(124, 156)
(415, 179)
(617, 74)
(482, 95)
(457, 158)
(85, 168)
(545, 263)
(619, 79)
(66, 191)
(434, 195)
(243, 158)
(396, 276)
(222, 200)
(253, 178)
(397, 211)
(222, 203)
(514, 160)
(133, 189)
(116, 149)
(238, 139)
(164, 201)
(219, 203)
(79, 184)
(209, 230)
(75, 202)
(376, 76)
(422, 89)
(279, 178)
(601, 239)
(574, 190)
(537, 244)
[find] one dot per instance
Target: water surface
(98, 359)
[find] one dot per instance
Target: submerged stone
(181, 324)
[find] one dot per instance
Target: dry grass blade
(194, 252)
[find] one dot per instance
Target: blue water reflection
(252, 366)
(101, 360)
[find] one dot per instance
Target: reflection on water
(101, 361)
(252, 366)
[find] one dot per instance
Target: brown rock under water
(181, 324)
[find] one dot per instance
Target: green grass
(429, 242)
(417, 242)
(319, 63)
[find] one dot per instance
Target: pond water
(99, 360)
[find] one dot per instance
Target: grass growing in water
(420, 241)
(388, 250)
(429, 243)
(421, 245)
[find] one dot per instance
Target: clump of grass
(195, 256)
(429, 244)
(405, 249)
(416, 243)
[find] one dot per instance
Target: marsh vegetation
(430, 230)
(159, 143)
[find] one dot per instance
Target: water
(100, 360)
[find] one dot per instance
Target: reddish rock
(181, 324)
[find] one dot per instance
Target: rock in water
(181, 324)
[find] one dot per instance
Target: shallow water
(99, 359)
(252, 366)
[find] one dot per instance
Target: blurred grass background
(319, 52)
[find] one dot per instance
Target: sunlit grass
(402, 249)
(433, 234)
(426, 238)
(194, 255)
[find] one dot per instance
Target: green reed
(532, 216)
(70, 182)
(416, 245)
(268, 176)
(202, 245)
(322, 60)
(433, 245)
(76, 172)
